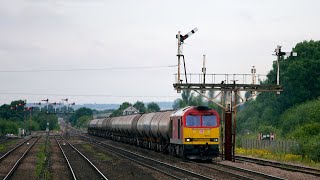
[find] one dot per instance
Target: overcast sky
(116, 35)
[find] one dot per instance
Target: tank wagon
(191, 132)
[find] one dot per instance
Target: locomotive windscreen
(192, 121)
(209, 120)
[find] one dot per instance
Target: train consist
(191, 132)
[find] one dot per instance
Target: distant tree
(140, 106)
(42, 120)
(116, 113)
(177, 103)
(83, 121)
(80, 112)
(300, 78)
(187, 97)
(153, 107)
(124, 105)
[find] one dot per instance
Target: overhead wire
(82, 95)
(88, 69)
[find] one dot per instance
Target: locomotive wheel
(171, 150)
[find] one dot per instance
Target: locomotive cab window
(210, 120)
(192, 121)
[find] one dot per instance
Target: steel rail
(15, 166)
(83, 156)
(139, 162)
(239, 176)
(284, 166)
(65, 157)
(11, 150)
(255, 173)
(109, 147)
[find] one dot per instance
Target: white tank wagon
(149, 125)
(126, 125)
(143, 124)
(163, 126)
(93, 123)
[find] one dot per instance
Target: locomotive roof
(180, 112)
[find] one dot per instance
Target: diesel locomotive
(191, 132)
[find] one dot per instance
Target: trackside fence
(275, 146)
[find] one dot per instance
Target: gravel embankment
(114, 166)
(7, 163)
(58, 166)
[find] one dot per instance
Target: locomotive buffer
(229, 92)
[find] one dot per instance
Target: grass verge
(98, 155)
(41, 170)
(280, 157)
(4, 146)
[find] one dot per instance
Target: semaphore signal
(181, 39)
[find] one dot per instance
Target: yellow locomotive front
(196, 131)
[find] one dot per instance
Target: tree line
(14, 116)
(294, 114)
(83, 115)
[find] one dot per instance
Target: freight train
(191, 132)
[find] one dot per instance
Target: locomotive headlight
(188, 139)
(214, 139)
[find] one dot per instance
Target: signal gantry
(229, 87)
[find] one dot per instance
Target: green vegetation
(295, 113)
(189, 98)
(151, 107)
(4, 146)
(41, 160)
(140, 106)
(281, 157)
(81, 117)
(14, 116)
(98, 155)
(302, 123)
(41, 170)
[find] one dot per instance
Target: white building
(130, 110)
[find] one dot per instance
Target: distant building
(130, 110)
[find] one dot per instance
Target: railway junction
(72, 154)
(77, 155)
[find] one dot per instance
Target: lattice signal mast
(181, 39)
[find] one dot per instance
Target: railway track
(79, 165)
(10, 161)
(159, 166)
(239, 173)
(284, 166)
